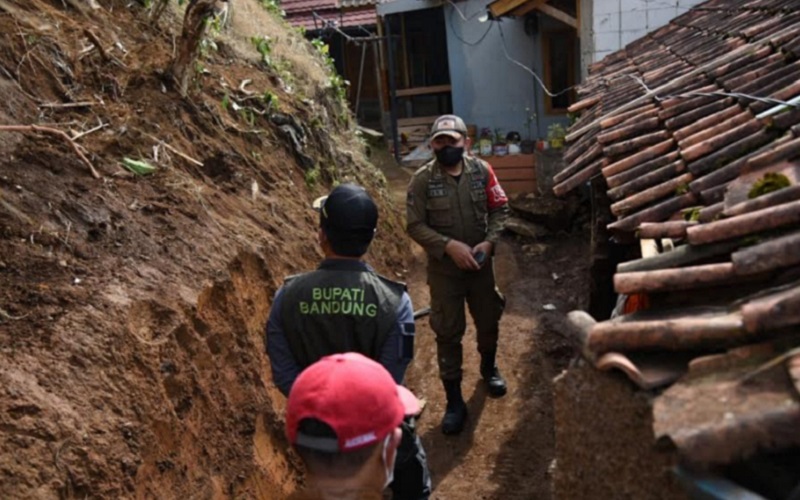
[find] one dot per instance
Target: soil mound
(132, 307)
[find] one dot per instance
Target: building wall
(616, 23)
(488, 89)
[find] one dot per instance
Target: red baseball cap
(354, 395)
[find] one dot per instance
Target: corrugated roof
(675, 124)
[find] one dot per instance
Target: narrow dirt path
(507, 447)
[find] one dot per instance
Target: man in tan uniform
(456, 210)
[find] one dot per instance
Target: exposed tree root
(56, 132)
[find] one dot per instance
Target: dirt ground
(132, 309)
(508, 445)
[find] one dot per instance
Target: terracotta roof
(677, 127)
(360, 3)
(349, 18)
(301, 13)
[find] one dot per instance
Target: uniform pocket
(440, 213)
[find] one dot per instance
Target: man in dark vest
(344, 306)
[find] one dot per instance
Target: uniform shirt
(394, 355)
(439, 208)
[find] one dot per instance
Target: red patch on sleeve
(494, 192)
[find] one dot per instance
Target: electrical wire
(465, 42)
(738, 95)
(529, 70)
(464, 17)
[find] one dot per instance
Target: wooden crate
(516, 173)
(416, 130)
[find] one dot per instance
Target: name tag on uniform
(436, 190)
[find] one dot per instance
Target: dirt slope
(132, 308)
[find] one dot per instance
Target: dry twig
(91, 130)
(97, 43)
(771, 363)
(182, 155)
(56, 132)
(4, 314)
(82, 104)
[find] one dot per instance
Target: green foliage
(312, 177)
(530, 117)
(556, 131)
(138, 167)
(270, 99)
(273, 7)
(499, 136)
(263, 45)
(692, 214)
(770, 182)
(682, 189)
(572, 117)
(335, 81)
(248, 115)
(226, 101)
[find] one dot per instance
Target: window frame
(546, 41)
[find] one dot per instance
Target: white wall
(616, 23)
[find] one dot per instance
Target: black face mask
(449, 156)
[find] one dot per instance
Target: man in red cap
(343, 418)
(344, 306)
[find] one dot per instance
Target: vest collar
(344, 265)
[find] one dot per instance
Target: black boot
(494, 381)
(456, 413)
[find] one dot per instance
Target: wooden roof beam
(558, 14)
(505, 7)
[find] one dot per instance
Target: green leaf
(138, 167)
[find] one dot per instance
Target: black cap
(349, 218)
